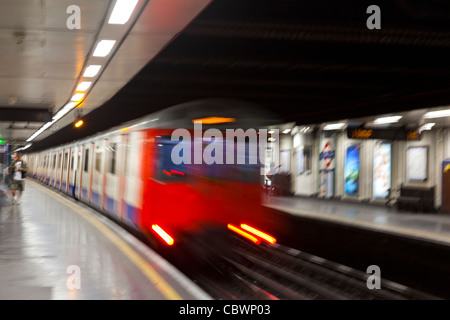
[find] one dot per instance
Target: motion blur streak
(259, 233)
(177, 172)
(168, 239)
(214, 120)
(243, 233)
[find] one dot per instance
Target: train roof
(245, 114)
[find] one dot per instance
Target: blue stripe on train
(95, 198)
(70, 189)
(131, 212)
(64, 186)
(84, 193)
(110, 205)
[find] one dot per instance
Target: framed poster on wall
(417, 163)
(327, 164)
(351, 170)
(381, 170)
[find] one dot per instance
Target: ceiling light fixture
(77, 97)
(92, 71)
(335, 126)
(104, 48)
(386, 120)
(437, 114)
(84, 86)
(122, 11)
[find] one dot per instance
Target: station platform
(433, 227)
(52, 247)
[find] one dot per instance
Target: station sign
(383, 134)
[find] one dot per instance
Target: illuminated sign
(383, 134)
(361, 133)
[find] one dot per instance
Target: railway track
(268, 272)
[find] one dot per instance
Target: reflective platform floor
(434, 227)
(52, 247)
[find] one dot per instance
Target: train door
(78, 171)
(97, 173)
(58, 170)
(72, 170)
(122, 153)
(132, 202)
(86, 172)
(65, 170)
(48, 171)
(112, 179)
(43, 168)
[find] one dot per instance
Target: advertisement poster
(326, 166)
(351, 170)
(382, 170)
(417, 163)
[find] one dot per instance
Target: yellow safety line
(373, 226)
(140, 263)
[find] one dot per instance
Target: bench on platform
(416, 199)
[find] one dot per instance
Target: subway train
(129, 172)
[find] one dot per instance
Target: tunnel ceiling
(309, 61)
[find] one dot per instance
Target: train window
(98, 159)
(59, 160)
(54, 162)
(79, 160)
(66, 158)
(71, 162)
(166, 170)
(86, 160)
(112, 158)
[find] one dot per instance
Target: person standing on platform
(18, 168)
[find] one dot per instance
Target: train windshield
(166, 169)
(176, 161)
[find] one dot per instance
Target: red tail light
(265, 236)
(164, 235)
(177, 172)
(243, 233)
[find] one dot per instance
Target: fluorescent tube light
(103, 48)
(437, 114)
(122, 11)
(334, 126)
(84, 86)
(77, 97)
(386, 120)
(92, 71)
